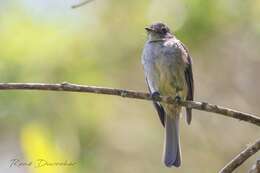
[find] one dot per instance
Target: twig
(133, 94)
(241, 157)
(81, 4)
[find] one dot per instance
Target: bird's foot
(156, 96)
(177, 99)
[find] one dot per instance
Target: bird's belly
(171, 77)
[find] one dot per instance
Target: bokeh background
(101, 44)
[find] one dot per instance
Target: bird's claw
(156, 96)
(177, 99)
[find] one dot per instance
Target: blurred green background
(101, 44)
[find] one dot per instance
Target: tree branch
(203, 106)
(241, 157)
(82, 3)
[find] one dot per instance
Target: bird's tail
(172, 151)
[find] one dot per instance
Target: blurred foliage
(101, 44)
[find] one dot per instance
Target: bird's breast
(170, 66)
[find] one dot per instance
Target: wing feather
(190, 83)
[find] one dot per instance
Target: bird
(167, 67)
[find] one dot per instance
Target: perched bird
(168, 71)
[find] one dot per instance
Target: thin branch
(241, 157)
(146, 96)
(203, 106)
(81, 4)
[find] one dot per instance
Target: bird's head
(158, 30)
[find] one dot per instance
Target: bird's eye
(164, 30)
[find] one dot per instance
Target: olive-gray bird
(168, 71)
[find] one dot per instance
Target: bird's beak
(148, 29)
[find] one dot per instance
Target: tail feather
(172, 152)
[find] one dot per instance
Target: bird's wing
(158, 107)
(189, 81)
